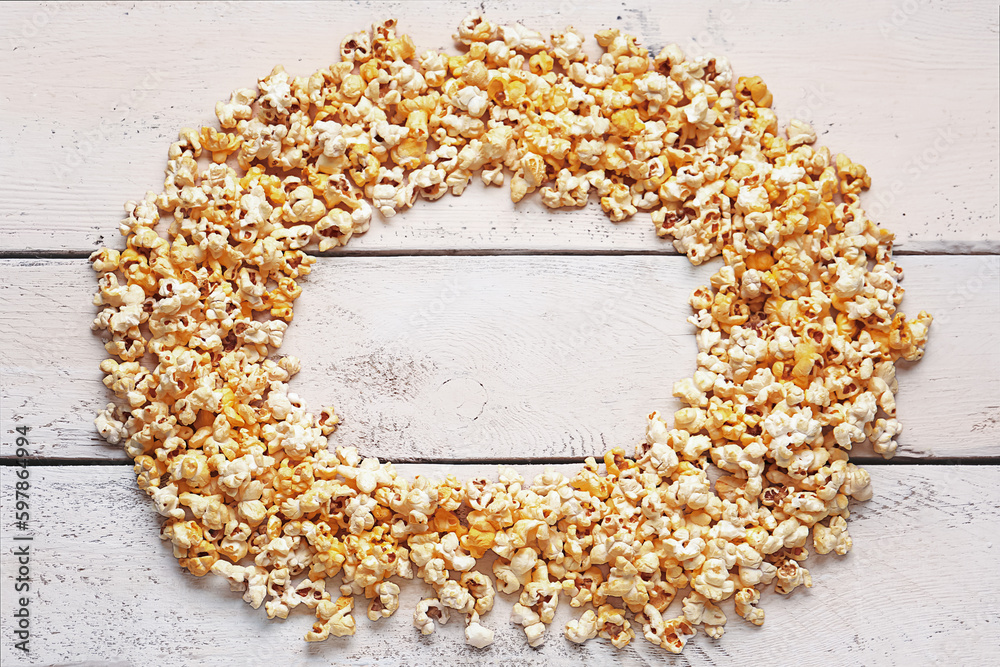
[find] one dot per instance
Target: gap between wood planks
(559, 460)
(486, 252)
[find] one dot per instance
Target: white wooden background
(470, 331)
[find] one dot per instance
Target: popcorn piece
(237, 108)
(519, 38)
(713, 580)
(790, 576)
(882, 433)
(111, 425)
(857, 483)
(477, 635)
(612, 625)
(454, 596)
(334, 618)
(699, 610)
(386, 601)
(529, 619)
(428, 611)
(799, 133)
(480, 587)
(746, 598)
(832, 538)
(671, 635)
(474, 28)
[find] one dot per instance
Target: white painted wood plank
(430, 358)
(908, 89)
(919, 588)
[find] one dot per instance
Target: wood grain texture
(513, 358)
(919, 588)
(93, 94)
(430, 358)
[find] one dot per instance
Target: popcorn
(746, 598)
(624, 582)
(671, 635)
(857, 483)
(428, 611)
(519, 38)
(385, 602)
(454, 596)
(799, 133)
(111, 425)
(356, 47)
(832, 538)
(584, 587)
(474, 28)
(790, 576)
(713, 580)
(276, 93)
(583, 628)
(699, 610)
(333, 618)
(797, 335)
(481, 589)
(477, 635)
(612, 624)
(531, 621)
(881, 433)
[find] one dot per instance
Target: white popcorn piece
(530, 621)
(799, 133)
(746, 598)
(612, 625)
(477, 635)
(882, 433)
(237, 108)
(521, 39)
(276, 92)
(454, 596)
(790, 576)
(111, 425)
(474, 28)
(386, 601)
(429, 612)
(581, 629)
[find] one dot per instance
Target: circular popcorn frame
(798, 334)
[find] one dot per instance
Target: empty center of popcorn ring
(797, 336)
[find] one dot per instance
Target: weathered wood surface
(497, 358)
(430, 358)
(93, 94)
(919, 588)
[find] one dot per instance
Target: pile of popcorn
(797, 337)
